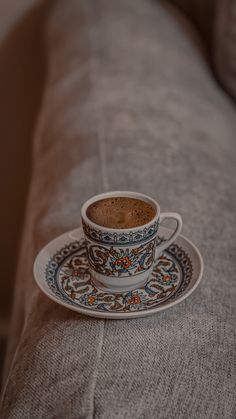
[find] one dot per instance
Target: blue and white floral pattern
(122, 238)
(68, 276)
(121, 261)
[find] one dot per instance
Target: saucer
(61, 271)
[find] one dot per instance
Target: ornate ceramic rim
(122, 238)
(111, 194)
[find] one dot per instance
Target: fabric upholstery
(225, 45)
(203, 15)
(215, 20)
(130, 103)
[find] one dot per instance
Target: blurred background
(22, 75)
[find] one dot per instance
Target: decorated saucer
(61, 271)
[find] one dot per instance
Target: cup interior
(113, 194)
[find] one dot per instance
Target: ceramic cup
(122, 259)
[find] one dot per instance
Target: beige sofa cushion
(225, 45)
(215, 20)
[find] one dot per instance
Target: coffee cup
(122, 259)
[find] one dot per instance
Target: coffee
(120, 212)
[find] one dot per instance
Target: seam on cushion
(99, 353)
(102, 150)
(94, 71)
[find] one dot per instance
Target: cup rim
(111, 194)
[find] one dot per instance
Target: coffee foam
(120, 212)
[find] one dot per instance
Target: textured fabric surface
(215, 21)
(129, 104)
(225, 44)
(202, 13)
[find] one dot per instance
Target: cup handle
(173, 216)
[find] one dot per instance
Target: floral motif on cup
(68, 276)
(120, 238)
(115, 261)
